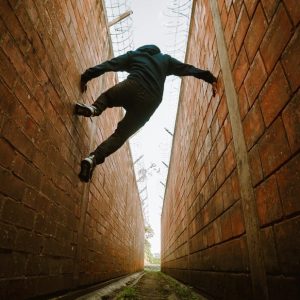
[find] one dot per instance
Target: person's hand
(214, 88)
(83, 85)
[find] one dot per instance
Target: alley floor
(157, 286)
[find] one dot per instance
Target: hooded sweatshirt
(149, 67)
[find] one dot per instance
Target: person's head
(149, 49)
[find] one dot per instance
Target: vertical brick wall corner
(57, 233)
(205, 241)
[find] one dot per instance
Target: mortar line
(256, 262)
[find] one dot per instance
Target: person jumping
(140, 95)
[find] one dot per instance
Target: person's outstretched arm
(181, 69)
(119, 63)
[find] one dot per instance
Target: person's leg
(126, 127)
(116, 96)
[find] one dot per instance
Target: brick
(253, 126)
(32, 107)
(220, 171)
(18, 288)
(15, 213)
(218, 201)
(231, 21)
(228, 5)
(37, 265)
(237, 4)
(256, 31)
(221, 5)
(241, 68)
(293, 9)
(45, 225)
(14, 27)
(224, 17)
(18, 139)
(7, 154)
(226, 226)
(7, 236)
(268, 201)
(217, 230)
(196, 242)
(276, 38)
(273, 147)
(215, 127)
(255, 166)
(241, 28)
(250, 5)
(237, 219)
(11, 185)
(221, 143)
(274, 95)
(232, 55)
(14, 4)
(227, 130)
(291, 120)
(235, 186)
(30, 197)
(255, 78)
(12, 264)
(269, 250)
(269, 7)
(8, 103)
(8, 73)
(229, 159)
(26, 171)
(243, 102)
(10, 48)
(32, 13)
(222, 110)
(291, 61)
(210, 235)
(288, 249)
(288, 183)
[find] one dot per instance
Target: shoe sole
(81, 110)
(85, 172)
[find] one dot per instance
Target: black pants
(139, 107)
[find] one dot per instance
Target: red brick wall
(57, 233)
(204, 238)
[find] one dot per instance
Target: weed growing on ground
(128, 293)
(183, 292)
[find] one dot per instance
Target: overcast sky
(153, 141)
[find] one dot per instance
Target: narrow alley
(230, 219)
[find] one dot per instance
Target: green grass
(127, 293)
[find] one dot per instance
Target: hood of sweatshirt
(150, 49)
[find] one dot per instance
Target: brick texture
(262, 39)
(48, 242)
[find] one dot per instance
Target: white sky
(153, 141)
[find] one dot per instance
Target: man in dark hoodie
(140, 95)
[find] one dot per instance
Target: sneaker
(87, 167)
(85, 110)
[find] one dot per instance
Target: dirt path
(157, 286)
